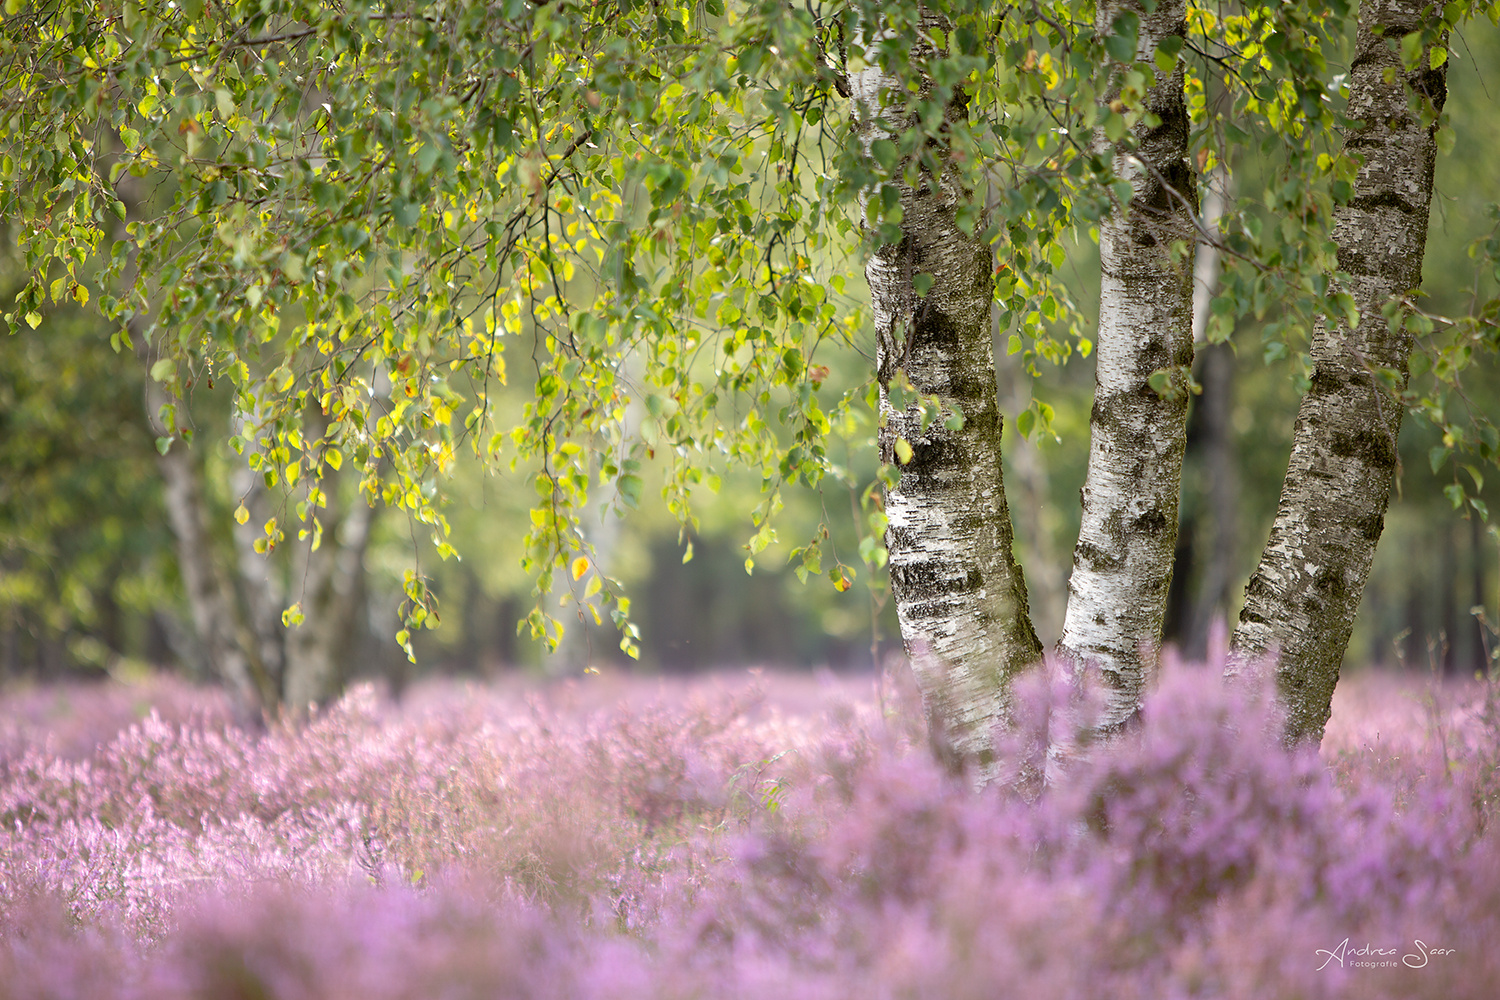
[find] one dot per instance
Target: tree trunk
(1208, 532)
(960, 596)
(1302, 600)
(1122, 566)
(330, 584)
(1210, 601)
(224, 641)
(259, 580)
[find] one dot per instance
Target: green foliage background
(610, 254)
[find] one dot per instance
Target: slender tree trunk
(1220, 463)
(329, 581)
(259, 580)
(225, 642)
(1206, 539)
(1210, 601)
(960, 595)
(1303, 598)
(1477, 659)
(1122, 566)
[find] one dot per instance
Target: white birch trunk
(1216, 363)
(1302, 600)
(959, 594)
(259, 578)
(329, 582)
(224, 640)
(1122, 565)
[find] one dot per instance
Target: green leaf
(1437, 455)
(1026, 423)
(164, 370)
(1166, 52)
(922, 283)
(427, 156)
(631, 487)
(903, 451)
(1122, 41)
(163, 444)
(1411, 50)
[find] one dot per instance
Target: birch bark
(1302, 600)
(222, 636)
(317, 652)
(959, 593)
(1122, 565)
(1216, 366)
(307, 663)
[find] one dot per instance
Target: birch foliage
(504, 228)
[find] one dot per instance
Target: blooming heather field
(740, 837)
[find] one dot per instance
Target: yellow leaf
(241, 514)
(580, 567)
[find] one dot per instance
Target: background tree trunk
(1122, 566)
(960, 595)
(1207, 537)
(225, 642)
(259, 580)
(329, 582)
(1303, 598)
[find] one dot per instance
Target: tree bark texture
(1302, 600)
(223, 638)
(259, 582)
(1122, 565)
(959, 593)
(330, 582)
(309, 662)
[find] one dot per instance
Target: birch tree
(403, 232)
(959, 593)
(1122, 566)
(1301, 603)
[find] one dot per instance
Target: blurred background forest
(94, 578)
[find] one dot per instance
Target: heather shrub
(483, 842)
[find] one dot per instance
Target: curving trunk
(1122, 565)
(959, 593)
(1302, 600)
